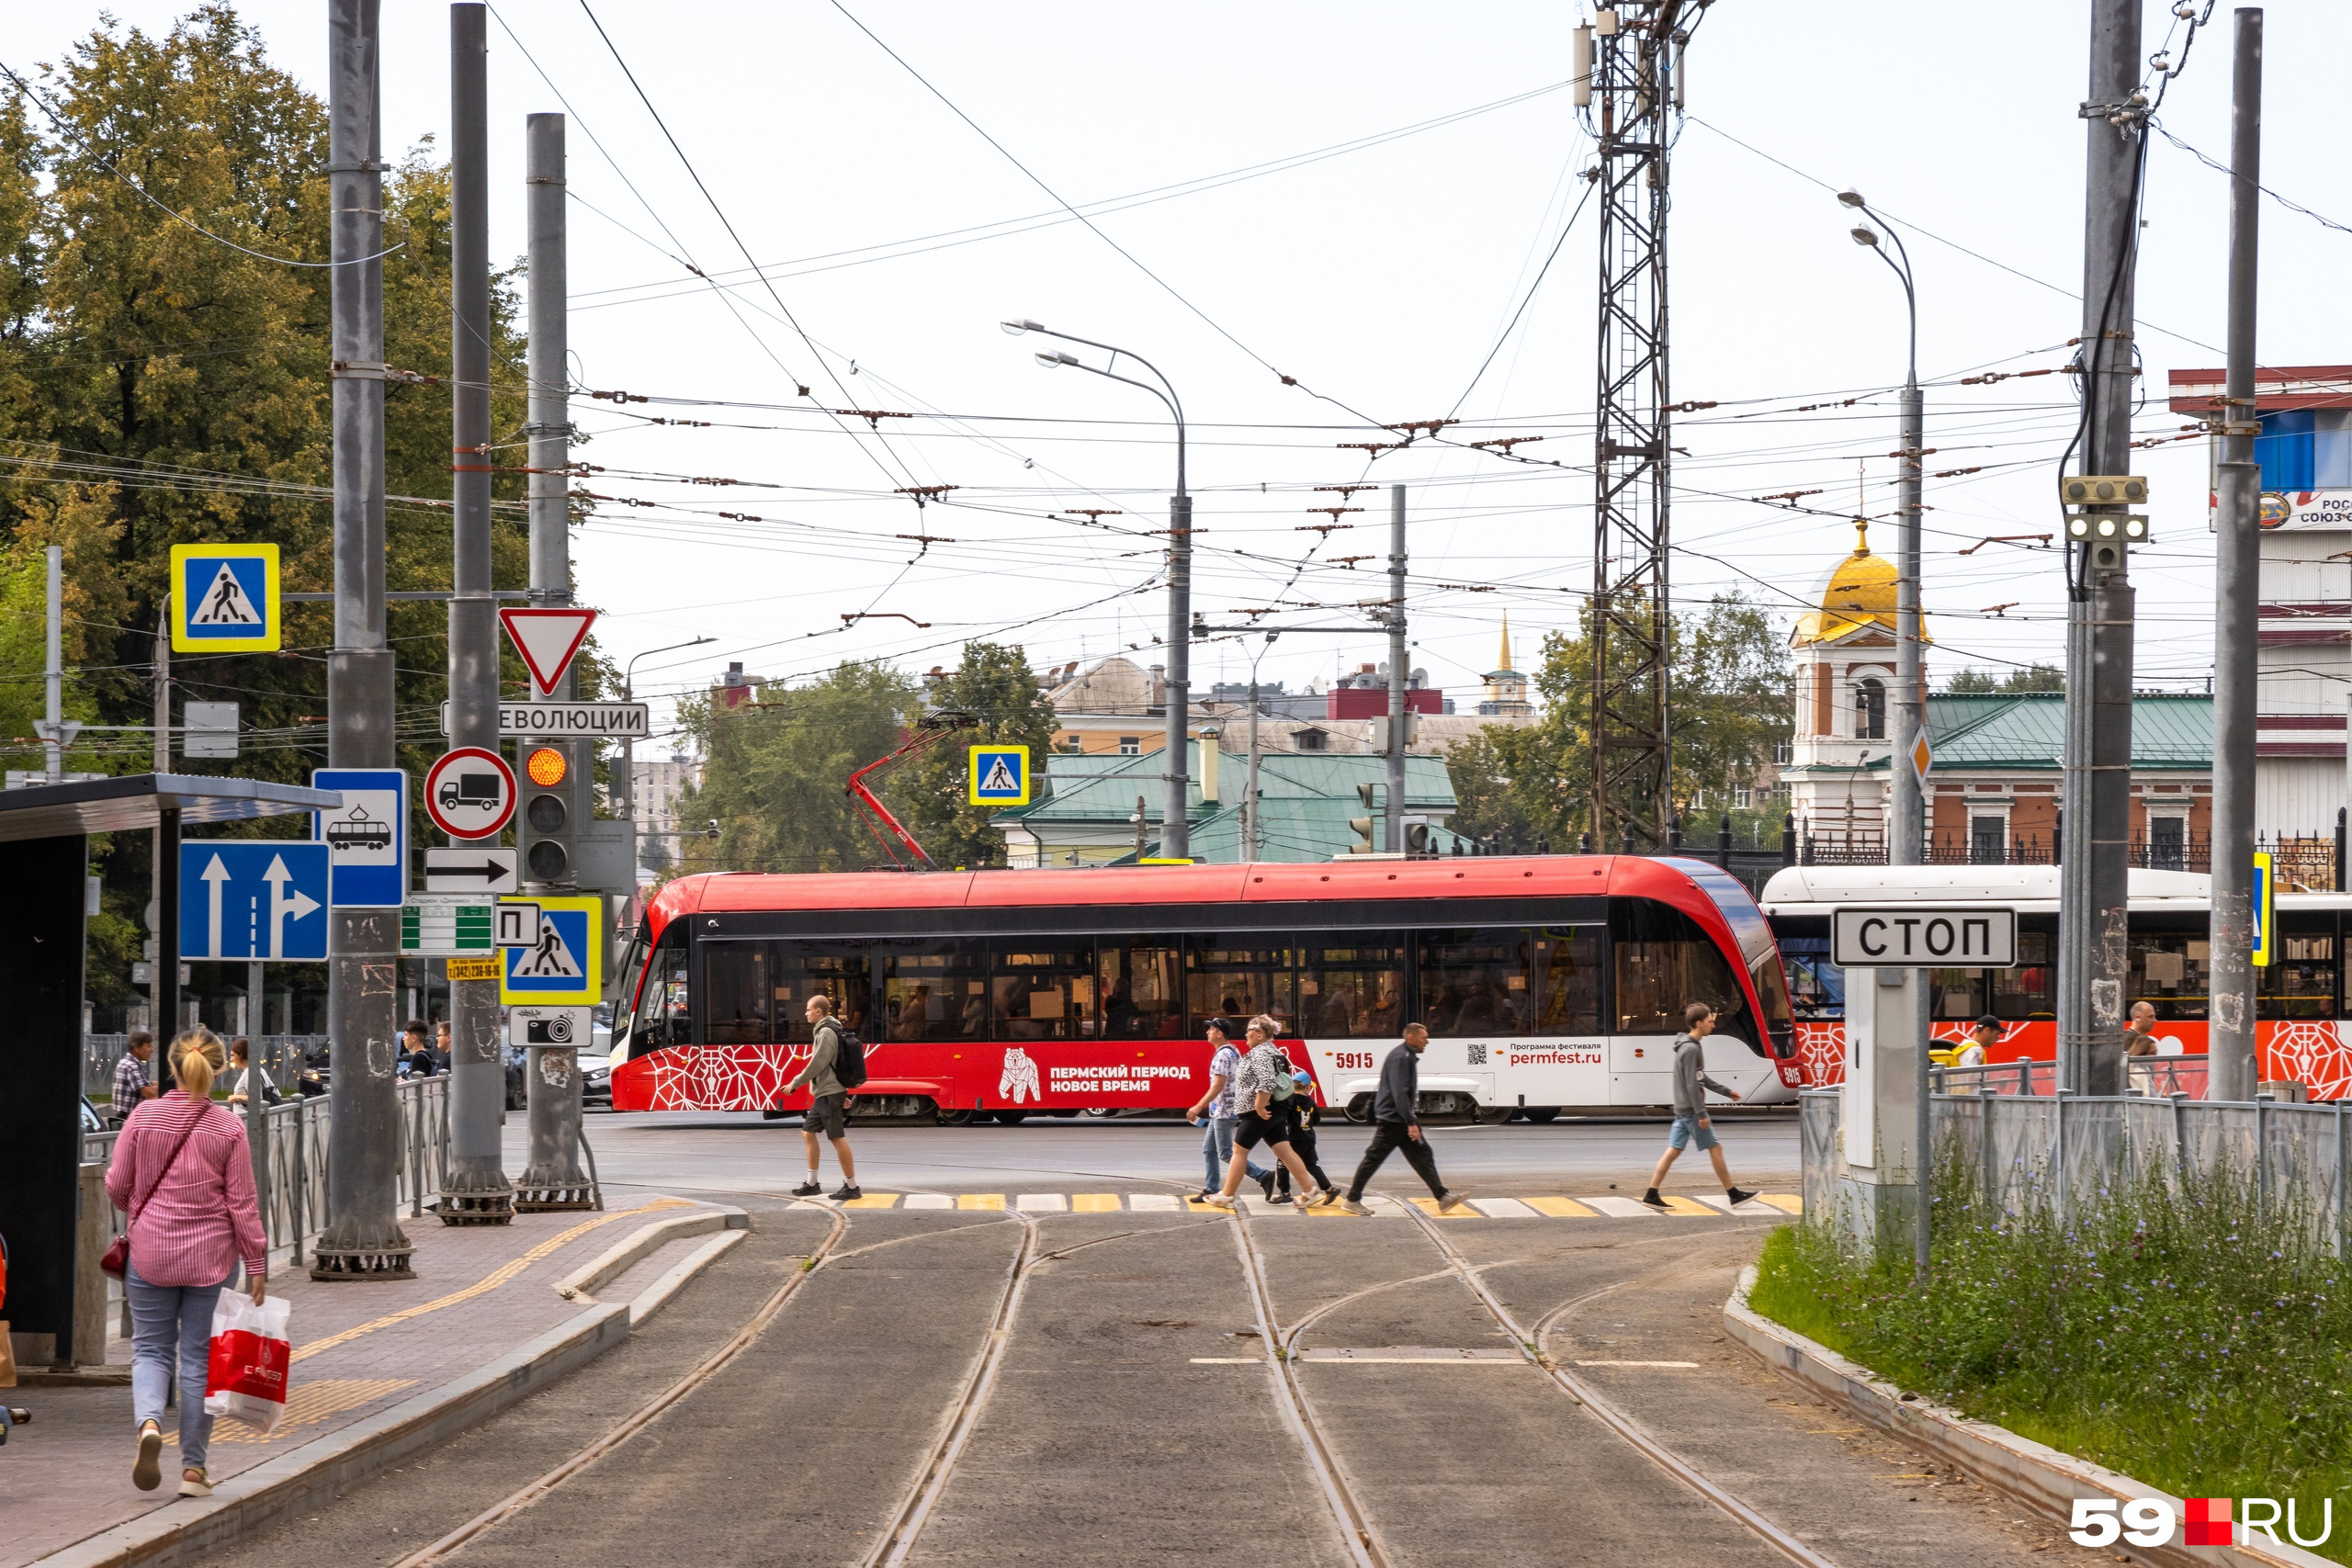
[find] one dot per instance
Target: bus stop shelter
(44, 864)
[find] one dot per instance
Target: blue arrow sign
(253, 898)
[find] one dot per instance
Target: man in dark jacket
(1397, 1124)
(828, 1109)
(1691, 1081)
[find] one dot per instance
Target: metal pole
(1907, 833)
(2094, 938)
(163, 764)
(1176, 832)
(256, 1075)
(553, 1178)
(167, 942)
(2236, 602)
(1249, 789)
(54, 705)
(1396, 672)
(362, 1238)
(478, 1192)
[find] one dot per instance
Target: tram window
(1568, 980)
(663, 1013)
(2301, 981)
(799, 970)
(1350, 993)
(1959, 993)
(1141, 997)
(1664, 962)
(1235, 978)
(735, 993)
(2168, 971)
(933, 990)
(1042, 992)
(2026, 991)
(1476, 982)
(1816, 986)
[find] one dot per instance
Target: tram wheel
(1543, 1113)
(958, 1118)
(1360, 1109)
(1011, 1118)
(1496, 1115)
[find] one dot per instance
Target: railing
(2301, 864)
(281, 1058)
(2156, 1077)
(2077, 1150)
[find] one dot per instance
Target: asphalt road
(715, 1153)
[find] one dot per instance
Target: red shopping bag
(251, 1355)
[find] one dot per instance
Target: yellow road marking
(1787, 1203)
(1428, 1206)
(310, 1402)
(1329, 1212)
(1229, 1361)
(1561, 1208)
(1200, 1208)
(873, 1201)
(1096, 1204)
(1675, 1205)
(489, 1281)
(993, 1201)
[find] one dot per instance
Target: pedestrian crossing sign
(565, 964)
(999, 775)
(225, 599)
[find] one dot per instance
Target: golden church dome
(1860, 593)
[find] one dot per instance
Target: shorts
(1250, 1129)
(1686, 1129)
(828, 1114)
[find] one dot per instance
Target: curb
(641, 1243)
(2035, 1474)
(320, 1471)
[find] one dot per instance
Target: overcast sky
(1380, 277)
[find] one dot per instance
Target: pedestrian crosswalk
(1713, 1205)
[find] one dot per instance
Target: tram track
(1605, 1410)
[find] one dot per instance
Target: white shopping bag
(251, 1356)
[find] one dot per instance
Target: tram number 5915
(1343, 1060)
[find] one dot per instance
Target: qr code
(1477, 1055)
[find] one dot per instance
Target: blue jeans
(1217, 1152)
(171, 1340)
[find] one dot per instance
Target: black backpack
(849, 1057)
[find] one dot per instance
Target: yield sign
(547, 639)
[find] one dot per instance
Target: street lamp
(1175, 836)
(628, 743)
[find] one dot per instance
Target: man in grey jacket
(1396, 1126)
(1690, 1122)
(828, 1102)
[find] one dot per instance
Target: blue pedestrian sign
(563, 962)
(998, 776)
(225, 599)
(253, 898)
(366, 836)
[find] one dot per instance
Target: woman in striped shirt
(183, 1173)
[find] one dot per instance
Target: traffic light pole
(477, 1192)
(548, 834)
(1397, 680)
(363, 1239)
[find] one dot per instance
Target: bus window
(1043, 993)
(663, 1016)
(932, 990)
(1141, 999)
(1350, 993)
(2028, 991)
(1476, 982)
(2301, 981)
(1567, 963)
(2168, 971)
(799, 970)
(735, 993)
(1235, 978)
(1816, 986)
(1664, 962)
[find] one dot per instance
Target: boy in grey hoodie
(1691, 1106)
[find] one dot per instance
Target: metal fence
(2076, 1151)
(291, 1175)
(281, 1057)
(2303, 864)
(2158, 1078)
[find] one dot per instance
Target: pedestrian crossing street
(1612, 1206)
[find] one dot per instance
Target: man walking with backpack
(1691, 1124)
(830, 1074)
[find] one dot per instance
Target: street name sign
(601, 721)
(1920, 936)
(366, 836)
(449, 925)
(547, 639)
(247, 898)
(225, 599)
(484, 868)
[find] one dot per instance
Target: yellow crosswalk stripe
(1675, 1205)
(1787, 1203)
(873, 1201)
(1561, 1208)
(1428, 1206)
(1200, 1208)
(1096, 1204)
(981, 1201)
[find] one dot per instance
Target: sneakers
(147, 1471)
(1279, 1198)
(1204, 1195)
(847, 1191)
(1329, 1196)
(1735, 1196)
(197, 1485)
(808, 1189)
(1449, 1202)
(1350, 1206)
(1652, 1200)
(1266, 1185)
(1218, 1201)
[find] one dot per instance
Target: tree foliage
(994, 685)
(1730, 700)
(2031, 678)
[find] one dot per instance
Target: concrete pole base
(531, 1198)
(1879, 1218)
(330, 1262)
(476, 1208)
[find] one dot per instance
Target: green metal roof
(1099, 789)
(2028, 730)
(1293, 829)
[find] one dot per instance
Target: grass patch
(2188, 1339)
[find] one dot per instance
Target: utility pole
(1633, 88)
(553, 1178)
(163, 994)
(1397, 677)
(477, 1192)
(363, 1239)
(2236, 599)
(2094, 953)
(1176, 830)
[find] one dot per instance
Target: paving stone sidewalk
(479, 1293)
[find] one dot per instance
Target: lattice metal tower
(1631, 60)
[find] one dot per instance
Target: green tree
(995, 685)
(774, 769)
(2031, 678)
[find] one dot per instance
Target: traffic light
(1367, 825)
(1417, 839)
(546, 815)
